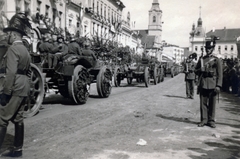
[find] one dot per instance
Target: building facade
(174, 52)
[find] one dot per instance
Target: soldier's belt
(208, 74)
(19, 71)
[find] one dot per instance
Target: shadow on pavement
(173, 96)
(178, 119)
(226, 151)
(57, 99)
(225, 148)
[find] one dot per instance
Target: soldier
(15, 87)
(47, 50)
(73, 46)
(189, 68)
(63, 50)
(87, 51)
(209, 71)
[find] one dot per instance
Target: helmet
(19, 23)
(60, 37)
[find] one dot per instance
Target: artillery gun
(144, 71)
(72, 79)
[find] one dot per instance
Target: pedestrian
(189, 70)
(209, 71)
(15, 86)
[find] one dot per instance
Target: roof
(226, 35)
(149, 41)
(143, 33)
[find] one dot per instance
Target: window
(196, 48)
(101, 10)
(231, 47)
(60, 18)
(70, 22)
(78, 24)
(154, 19)
(225, 47)
(85, 29)
(105, 9)
(97, 8)
(219, 48)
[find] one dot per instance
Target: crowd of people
(231, 76)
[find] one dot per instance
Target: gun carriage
(144, 71)
(72, 79)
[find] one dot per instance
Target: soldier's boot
(16, 151)
(3, 132)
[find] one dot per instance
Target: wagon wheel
(129, 80)
(104, 85)
(146, 76)
(117, 79)
(78, 87)
(35, 98)
(155, 75)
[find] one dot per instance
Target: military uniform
(15, 85)
(74, 48)
(189, 69)
(63, 51)
(47, 50)
(209, 71)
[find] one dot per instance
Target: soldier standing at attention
(209, 71)
(189, 69)
(15, 87)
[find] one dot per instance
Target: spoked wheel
(117, 78)
(78, 87)
(129, 80)
(104, 85)
(34, 100)
(155, 75)
(146, 76)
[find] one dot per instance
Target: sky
(179, 15)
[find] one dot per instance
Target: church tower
(155, 21)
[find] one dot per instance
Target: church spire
(199, 19)
(155, 5)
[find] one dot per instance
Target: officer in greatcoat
(15, 85)
(189, 70)
(209, 71)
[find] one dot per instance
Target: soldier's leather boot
(16, 151)
(3, 131)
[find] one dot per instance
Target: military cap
(211, 41)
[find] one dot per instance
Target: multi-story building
(105, 18)
(174, 52)
(225, 47)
